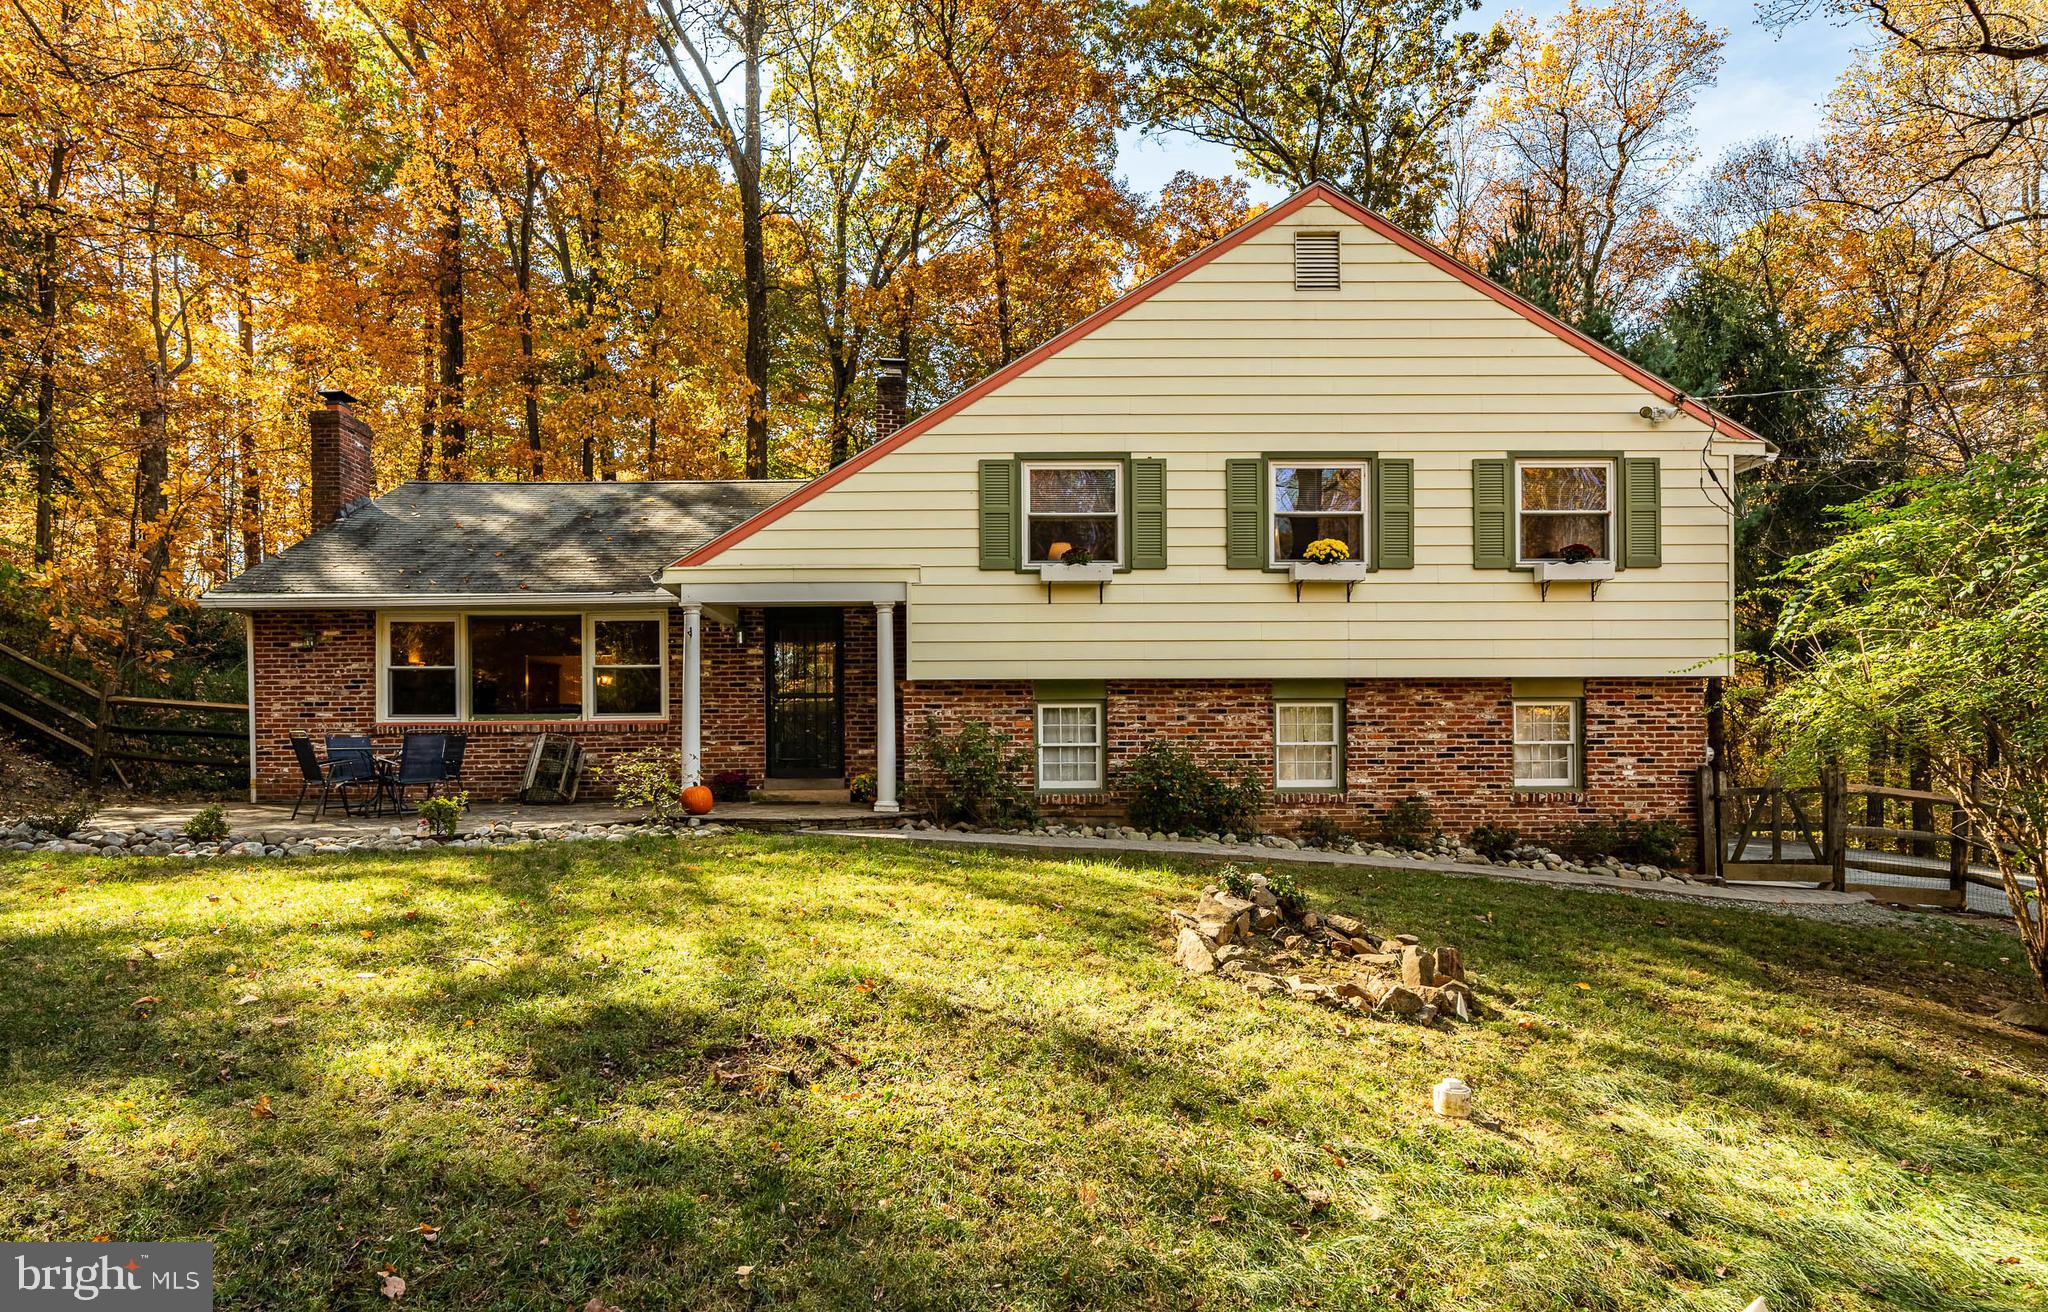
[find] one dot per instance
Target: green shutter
(1148, 514)
(1492, 518)
(1244, 513)
(1393, 514)
(1642, 513)
(999, 526)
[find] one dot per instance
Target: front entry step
(820, 792)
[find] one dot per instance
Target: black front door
(803, 694)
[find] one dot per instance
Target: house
(1098, 547)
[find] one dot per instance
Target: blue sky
(1772, 84)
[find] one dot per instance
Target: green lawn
(759, 1071)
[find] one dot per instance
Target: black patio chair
(352, 758)
(451, 762)
(422, 763)
(314, 773)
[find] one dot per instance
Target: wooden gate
(1791, 833)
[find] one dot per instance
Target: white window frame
(1116, 467)
(1039, 745)
(465, 673)
(1606, 466)
(1273, 511)
(1574, 745)
(384, 666)
(1335, 779)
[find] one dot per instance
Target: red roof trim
(1145, 291)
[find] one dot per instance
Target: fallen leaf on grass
(146, 1001)
(429, 1233)
(599, 1305)
(262, 1110)
(392, 1286)
(246, 999)
(1582, 985)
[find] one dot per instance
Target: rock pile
(1268, 944)
(283, 840)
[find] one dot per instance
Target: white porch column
(693, 694)
(885, 707)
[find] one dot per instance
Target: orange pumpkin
(697, 799)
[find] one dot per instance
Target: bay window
(1564, 510)
(543, 666)
(1311, 502)
(1073, 506)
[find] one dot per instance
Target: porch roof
(448, 542)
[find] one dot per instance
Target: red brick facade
(330, 688)
(1450, 740)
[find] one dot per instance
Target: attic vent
(1315, 262)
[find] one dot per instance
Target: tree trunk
(755, 255)
(450, 404)
(45, 278)
(529, 374)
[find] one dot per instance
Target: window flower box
(1342, 571)
(1566, 571)
(1593, 572)
(1095, 571)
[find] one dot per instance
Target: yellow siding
(1231, 361)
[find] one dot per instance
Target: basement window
(1315, 262)
(1546, 744)
(1069, 746)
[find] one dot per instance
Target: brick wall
(1448, 740)
(331, 689)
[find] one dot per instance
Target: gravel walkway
(1813, 903)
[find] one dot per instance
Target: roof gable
(1317, 192)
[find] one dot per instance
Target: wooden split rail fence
(110, 731)
(1778, 832)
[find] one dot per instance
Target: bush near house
(972, 777)
(1494, 842)
(1408, 823)
(1638, 842)
(648, 779)
(1171, 792)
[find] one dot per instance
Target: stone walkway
(1763, 896)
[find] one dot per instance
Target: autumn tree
(1588, 125)
(1362, 94)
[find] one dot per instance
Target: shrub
(65, 820)
(729, 786)
(1323, 831)
(1638, 842)
(862, 787)
(209, 824)
(1496, 842)
(1408, 823)
(648, 778)
(1170, 791)
(442, 815)
(971, 778)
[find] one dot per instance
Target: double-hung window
(1073, 506)
(627, 658)
(1308, 742)
(1311, 502)
(420, 657)
(1564, 510)
(1069, 746)
(1547, 744)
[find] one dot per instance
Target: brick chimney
(892, 395)
(342, 472)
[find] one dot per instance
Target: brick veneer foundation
(330, 688)
(1448, 740)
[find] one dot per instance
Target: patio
(255, 819)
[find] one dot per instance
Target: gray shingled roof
(449, 538)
